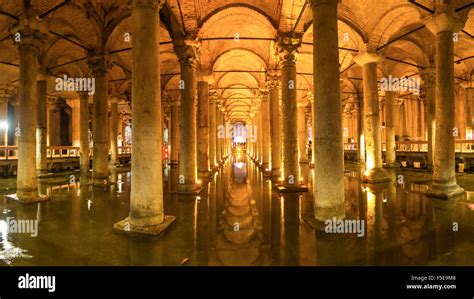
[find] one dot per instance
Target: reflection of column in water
(444, 218)
(291, 229)
(144, 252)
(275, 228)
(393, 217)
(201, 227)
(239, 243)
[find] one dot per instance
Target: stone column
(203, 129)
(100, 123)
(469, 90)
(429, 79)
(84, 132)
(328, 151)
(114, 122)
(220, 134)
(41, 129)
(403, 116)
(443, 24)
(302, 132)
(288, 48)
(187, 51)
(265, 129)
(146, 198)
(174, 133)
(390, 153)
(213, 131)
(368, 59)
(258, 122)
(275, 142)
(360, 130)
(26, 182)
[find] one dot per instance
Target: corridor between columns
(258, 133)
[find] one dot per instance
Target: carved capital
(366, 55)
(188, 50)
(288, 47)
(98, 65)
(428, 75)
(154, 4)
(445, 19)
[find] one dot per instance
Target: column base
(375, 176)
(320, 225)
(101, 182)
(444, 191)
(27, 199)
(392, 165)
(188, 189)
(204, 173)
(125, 227)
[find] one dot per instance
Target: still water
(238, 219)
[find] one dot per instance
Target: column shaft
(275, 132)
(390, 152)
(174, 134)
(203, 129)
(41, 130)
(84, 131)
(328, 151)
(114, 122)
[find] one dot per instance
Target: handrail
(461, 146)
(11, 152)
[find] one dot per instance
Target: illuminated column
(288, 48)
(403, 116)
(146, 198)
(187, 51)
(114, 121)
(302, 132)
(84, 131)
(469, 102)
(390, 154)
(259, 133)
(100, 123)
(443, 24)
(174, 133)
(360, 130)
(275, 143)
(41, 129)
(429, 79)
(31, 39)
(220, 134)
(328, 151)
(265, 129)
(203, 129)
(213, 130)
(374, 173)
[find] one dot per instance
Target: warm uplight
(4, 125)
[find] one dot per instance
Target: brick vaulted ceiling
(78, 28)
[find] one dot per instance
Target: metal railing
(461, 146)
(52, 152)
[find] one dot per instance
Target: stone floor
(239, 220)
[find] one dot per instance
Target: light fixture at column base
(291, 189)
(125, 227)
(190, 189)
(444, 192)
(27, 200)
(375, 176)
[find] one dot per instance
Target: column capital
(288, 46)
(213, 97)
(154, 4)
(316, 3)
(188, 50)
(469, 84)
(444, 19)
(263, 94)
(83, 95)
(98, 65)
(273, 79)
(428, 75)
(367, 54)
(33, 32)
